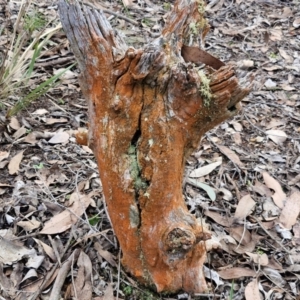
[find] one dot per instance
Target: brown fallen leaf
(3, 155)
(50, 121)
(30, 138)
(231, 155)
(244, 207)
(109, 292)
(106, 255)
(261, 259)
(290, 211)
(64, 220)
(14, 123)
(14, 164)
(245, 243)
(205, 170)
(252, 291)
(12, 252)
(277, 136)
(59, 138)
(261, 189)
(222, 220)
(279, 196)
(29, 225)
(20, 132)
(48, 250)
(83, 281)
(234, 273)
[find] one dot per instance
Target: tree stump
(148, 109)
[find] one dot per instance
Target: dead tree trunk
(148, 109)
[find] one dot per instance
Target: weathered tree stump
(148, 109)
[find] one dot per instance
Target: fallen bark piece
(148, 109)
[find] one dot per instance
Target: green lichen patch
(135, 171)
(205, 88)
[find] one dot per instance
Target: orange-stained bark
(148, 109)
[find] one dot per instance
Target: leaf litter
(244, 180)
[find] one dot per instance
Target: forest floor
(243, 181)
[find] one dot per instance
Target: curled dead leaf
(276, 135)
(290, 211)
(64, 220)
(231, 155)
(244, 207)
(252, 291)
(200, 172)
(14, 164)
(279, 196)
(59, 138)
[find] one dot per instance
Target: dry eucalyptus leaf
(21, 131)
(109, 292)
(3, 155)
(237, 126)
(279, 196)
(274, 276)
(11, 252)
(270, 84)
(64, 220)
(227, 195)
(59, 138)
(222, 220)
(231, 155)
(235, 273)
(296, 23)
(261, 259)
(277, 136)
(40, 112)
(200, 172)
(127, 2)
(289, 59)
(50, 121)
(244, 207)
(30, 138)
(83, 280)
(14, 123)
(261, 189)
(106, 255)
(14, 164)
(252, 291)
(29, 225)
(290, 211)
(48, 250)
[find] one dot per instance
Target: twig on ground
(62, 274)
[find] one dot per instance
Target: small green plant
(39, 166)
(147, 22)
(260, 251)
(94, 220)
(127, 290)
(273, 55)
(231, 290)
(167, 6)
(34, 21)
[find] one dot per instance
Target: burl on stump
(148, 109)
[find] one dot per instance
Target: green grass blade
(36, 93)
